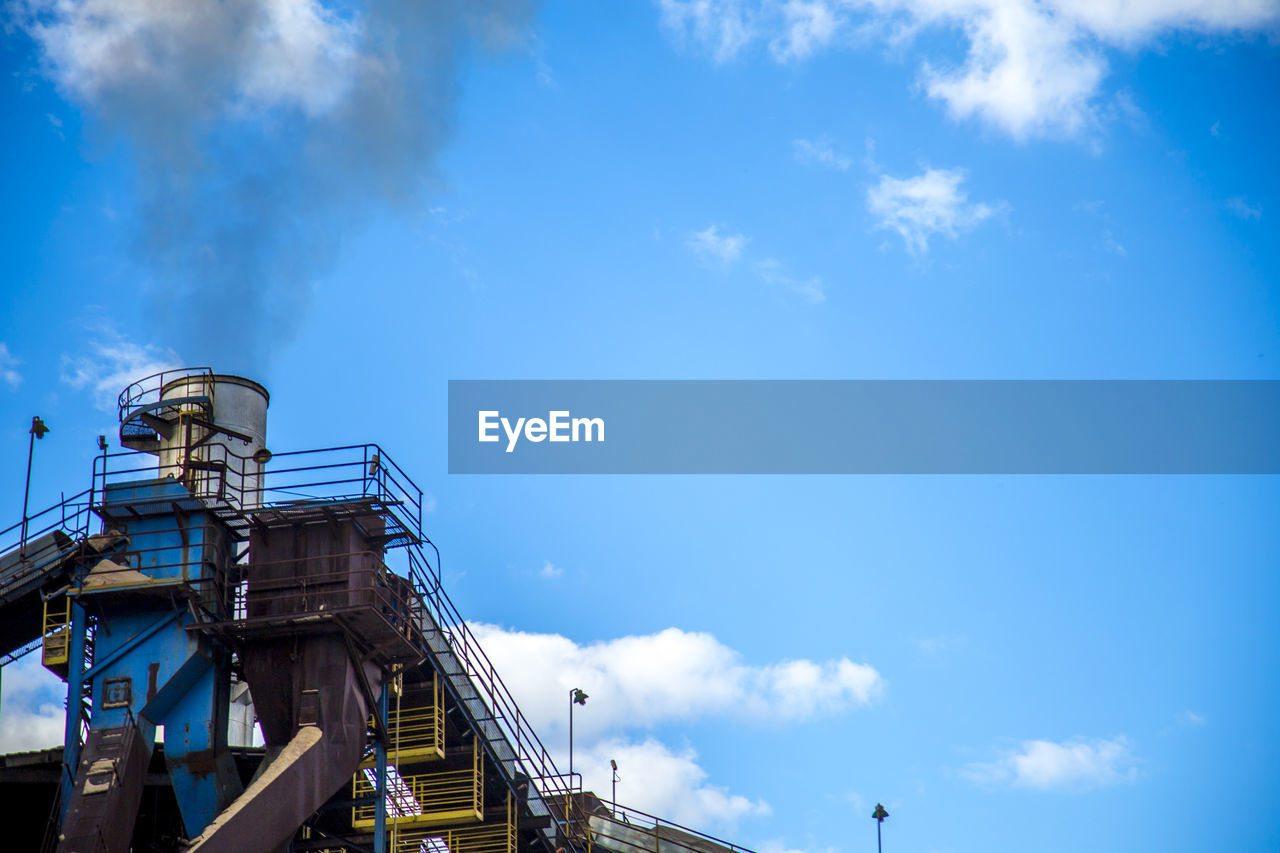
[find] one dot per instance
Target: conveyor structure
(200, 569)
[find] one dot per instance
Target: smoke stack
(208, 430)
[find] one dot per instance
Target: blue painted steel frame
(380, 809)
(161, 673)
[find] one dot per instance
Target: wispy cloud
(934, 646)
(9, 374)
(772, 272)
(927, 204)
(1111, 244)
(1031, 67)
(1240, 206)
(550, 570)
(716, 248)
(112, 362)
(1076, 764)
(724, 250)
(819, 152)
(721, 27)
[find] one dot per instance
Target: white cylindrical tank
(214, 464)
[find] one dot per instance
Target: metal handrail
(138, 395)
(356, 472)
(635, 819)
(533, 759)
(329, 474)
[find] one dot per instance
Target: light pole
(576, 697)
(38, 430)
(879, 814)
(616, 780)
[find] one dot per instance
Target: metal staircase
(344, 485)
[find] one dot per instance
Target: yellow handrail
(56, 645)
(424, 799)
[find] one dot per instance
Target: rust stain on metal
(199, 763)
(153, 672)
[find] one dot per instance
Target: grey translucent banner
(863, 427)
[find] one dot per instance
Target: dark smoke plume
(262, 132)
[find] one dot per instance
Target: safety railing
(191, 555)
(416, 729)
(239, 486)
(69, 520)
(510, 739)
(322, 479)
(56, 635)
(147, 392)
(423, 799)
(493, 836)
(364, 598)
(628, 830)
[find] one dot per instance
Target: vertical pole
(75, 697)
(879, 848)
(31, 447)
(380, 812)
(568, 797)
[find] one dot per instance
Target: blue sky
(354, 205)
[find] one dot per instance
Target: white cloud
(819, 152)
(9, 367)
(722, 27)
(642, 680)
(1025, 71)
(930, 203)
(1075, 764)
(112, 363)
(32, 706)
(810, 288)
(660, 781)
(550, 570)
(1240, 206)
(714, 247)
(1031, 67)
(807, 26)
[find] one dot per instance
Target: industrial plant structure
(202, 583)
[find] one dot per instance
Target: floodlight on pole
(879, 814)
(616, 780)
(38, 430)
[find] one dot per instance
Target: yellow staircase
(433, 806)
(56, 647)
(434, 798)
